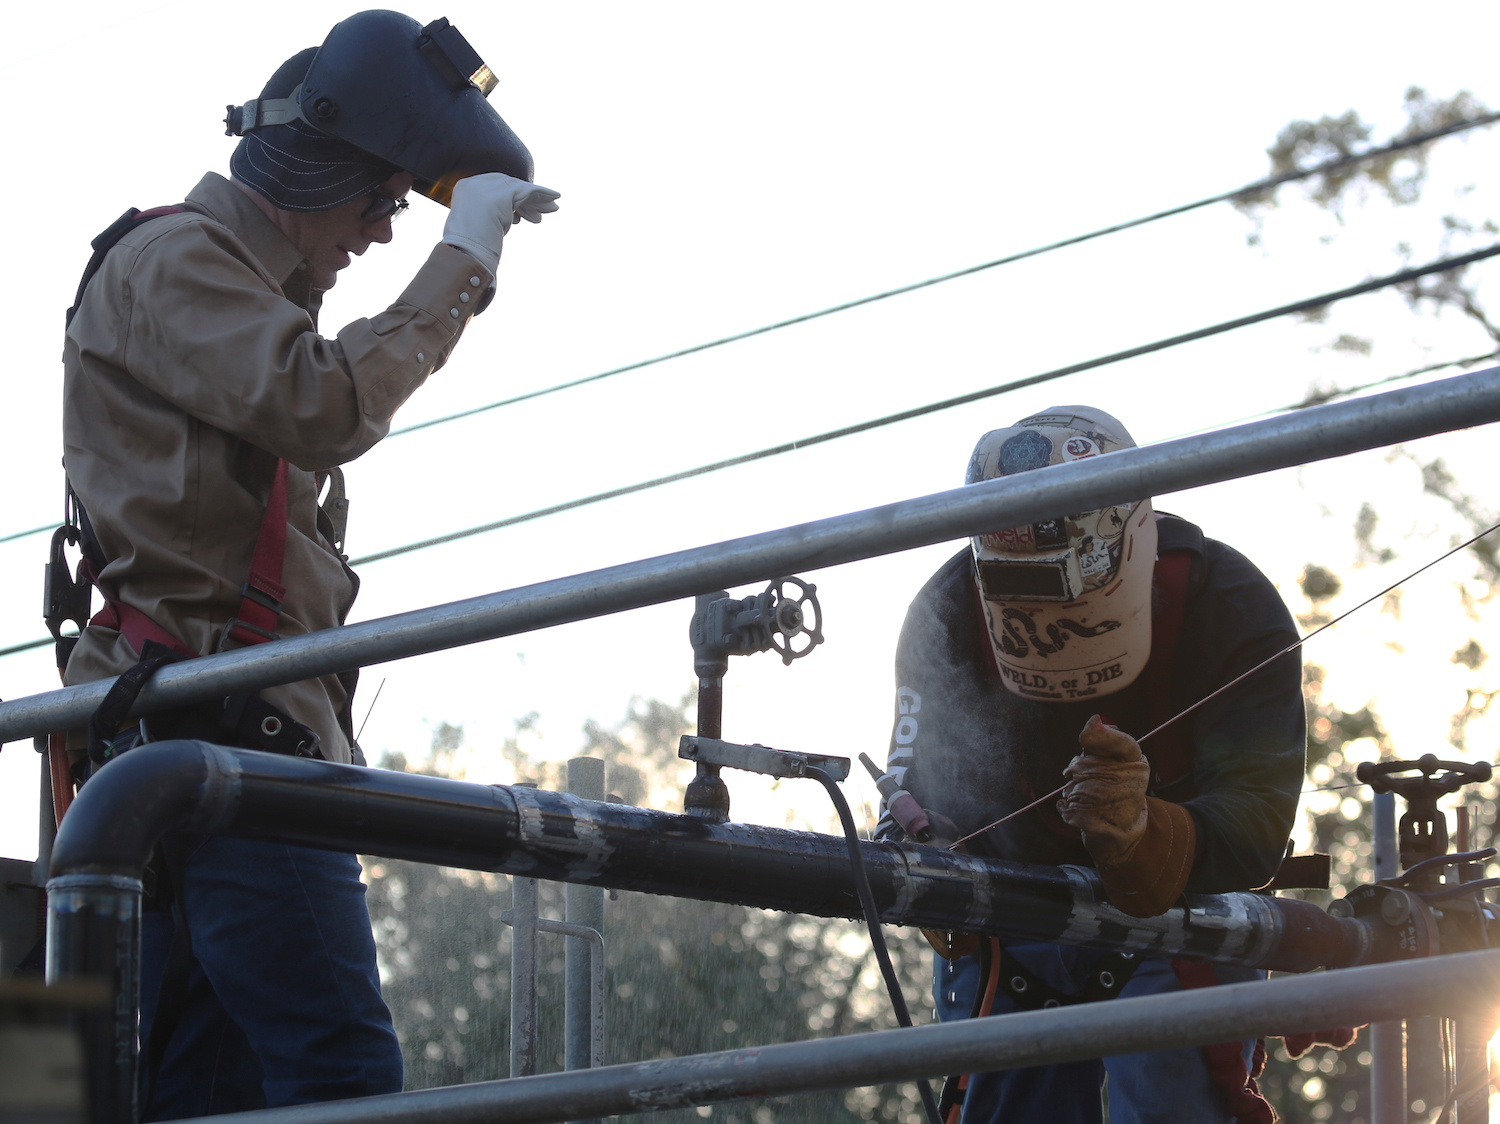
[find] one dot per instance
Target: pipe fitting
(133, 801)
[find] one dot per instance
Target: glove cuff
(1149, 880)
(484, 255)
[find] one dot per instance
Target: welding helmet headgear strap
(294, 165)
(407, 95)
(1067, 601)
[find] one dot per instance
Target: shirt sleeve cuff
(449, 287)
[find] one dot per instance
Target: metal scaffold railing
(105, 842)
(1445, 985)
(1317, 433)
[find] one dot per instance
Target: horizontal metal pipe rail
(1442, 985)
(532, 833)
(1308, 435)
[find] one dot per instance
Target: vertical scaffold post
(46, 824)
(522, 916)
(1387, 1056)
(585, 906)
(1471, 1034)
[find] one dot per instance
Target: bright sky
(722, 167)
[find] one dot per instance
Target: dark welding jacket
(965, 746)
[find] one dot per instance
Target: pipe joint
(114, 825)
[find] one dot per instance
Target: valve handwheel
(798, 614)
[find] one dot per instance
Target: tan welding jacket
(192, 364)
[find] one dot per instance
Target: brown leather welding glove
(1148, 881)
(1142, 846)
(1105, 797)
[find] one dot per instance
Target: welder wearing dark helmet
(203, 413)
(1037, 656)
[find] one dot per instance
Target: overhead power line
(948, 403)
(1222, 197)
(1312, 400)
(26, 647)
(27, 535)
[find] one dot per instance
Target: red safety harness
(260, 601)
(1170, 755)
(244, 718)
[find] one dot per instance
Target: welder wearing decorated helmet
(382, 95)
(1067, 605)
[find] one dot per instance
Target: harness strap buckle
(262, 597)
(237, 626)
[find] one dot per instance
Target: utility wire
(28, 534)
(791, 446)
(1222, 197)
(1225, 196)
(26, 647)
(946, 403)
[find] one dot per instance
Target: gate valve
(1423, 832)
(785, 617)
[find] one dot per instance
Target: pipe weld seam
(218, 800)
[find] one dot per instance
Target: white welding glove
(483, 208)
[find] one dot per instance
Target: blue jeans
(1167, 1087)
(283, 999)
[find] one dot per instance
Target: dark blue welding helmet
(408, 95)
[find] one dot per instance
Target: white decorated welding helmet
(1067, 600)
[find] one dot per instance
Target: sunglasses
(383, 207)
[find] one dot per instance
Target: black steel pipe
(129, 804)
(112, 828)
(93, 934)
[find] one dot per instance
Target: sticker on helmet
(1093, 557)
(1050, 535)
(1025, 451)
(1111, 523)
(1079, 448)
(1012, 539)
(1012, 643)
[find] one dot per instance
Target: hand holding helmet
(1106, 793)
(483, 208)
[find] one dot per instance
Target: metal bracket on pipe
(596, 980)
(759, 758)
(596, 976)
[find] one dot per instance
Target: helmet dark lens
(1007, 581)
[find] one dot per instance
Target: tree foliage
(683, 976)
(1327, 1084)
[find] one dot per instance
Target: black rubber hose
(872, 920)
(1478, 887)
(1440, 860)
